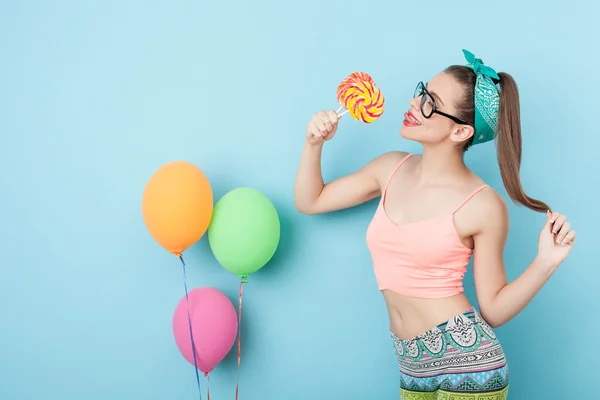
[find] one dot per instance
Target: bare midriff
(411, 316)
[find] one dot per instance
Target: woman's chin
(407, 132)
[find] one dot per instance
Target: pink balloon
(214, 323)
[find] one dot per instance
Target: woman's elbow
(304, 208)
(491, 319)
(495, 323)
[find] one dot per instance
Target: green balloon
(244, 231)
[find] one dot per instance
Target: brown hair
(508, 138)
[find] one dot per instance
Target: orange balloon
(177, 205)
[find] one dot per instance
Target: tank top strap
(469, 197)
(406, 157)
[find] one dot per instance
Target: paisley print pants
(460, 359)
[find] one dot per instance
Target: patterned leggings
(460, 359)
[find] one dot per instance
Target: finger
(314, 131)
(558, 223)
(569, 238)
(564, 230)
(328, 126)
(319, 122)
(333, 117)
(320, 127)
(324, 132)
(549, 221)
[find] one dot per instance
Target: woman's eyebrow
(434, 94)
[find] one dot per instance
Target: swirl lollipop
(359, 95)
(365, 103)
(350, 80)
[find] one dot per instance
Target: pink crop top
(424, 259)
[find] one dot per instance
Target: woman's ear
(462, 133)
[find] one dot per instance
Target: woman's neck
(440, 164)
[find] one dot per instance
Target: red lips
(409, 119)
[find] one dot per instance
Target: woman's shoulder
(383, 165)
(392, 156)
(486, 204)
(390, 160)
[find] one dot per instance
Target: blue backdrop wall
(95, 96)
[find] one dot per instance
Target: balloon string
(208, 387)
(239, 347)
(190, 326)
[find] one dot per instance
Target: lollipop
(365, 105)
(359, 95)
(349, 81)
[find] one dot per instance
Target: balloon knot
(244, 279)
(206, 374)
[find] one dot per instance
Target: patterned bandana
(487, 99)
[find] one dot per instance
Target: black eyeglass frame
(422, 89)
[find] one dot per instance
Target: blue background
(95, 96)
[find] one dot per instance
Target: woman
(434, 213)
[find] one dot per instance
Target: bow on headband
(487, 99)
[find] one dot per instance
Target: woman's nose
(414, 103)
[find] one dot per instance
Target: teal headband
(487, 99)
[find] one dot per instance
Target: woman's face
(440, 94)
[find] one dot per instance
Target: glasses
(428, 106)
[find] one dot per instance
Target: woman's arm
(312, 195)
(500, 301)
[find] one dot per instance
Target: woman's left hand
(556, 240)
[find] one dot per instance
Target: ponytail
(508, 138)
(509, 145)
